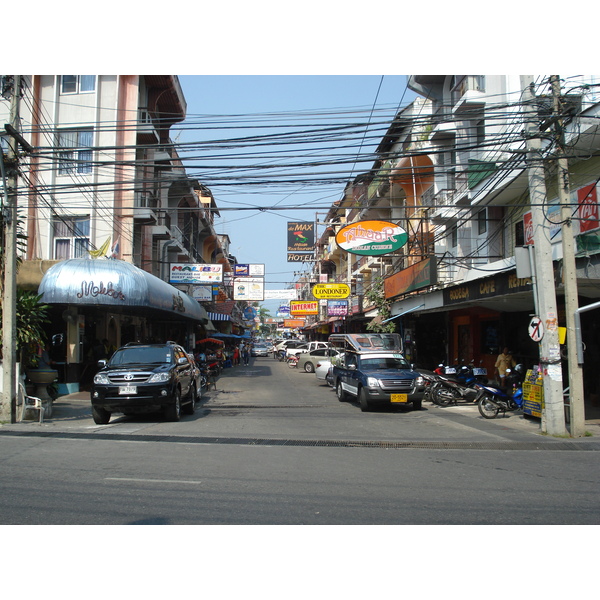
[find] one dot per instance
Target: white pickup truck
(308, 347)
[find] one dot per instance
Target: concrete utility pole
(553, 415)
(9, 289)
(577, 425)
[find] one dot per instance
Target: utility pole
(553, 414)
(9, 288)
(577, 425)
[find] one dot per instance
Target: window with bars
(75, 151)
(77, 84)
(71, 237)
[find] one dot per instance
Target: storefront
(92, 300)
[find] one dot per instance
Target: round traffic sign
(536, 329)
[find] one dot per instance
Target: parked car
(285, 344)
(324, 369)
(259, 350)
(144, 378)
(375, 373)
(307, 361)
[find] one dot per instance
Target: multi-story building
(107, 207)
(453, 172)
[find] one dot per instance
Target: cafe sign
(331, 291)
(371, 238)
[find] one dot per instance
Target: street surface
(273, 445)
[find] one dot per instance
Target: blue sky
(258, 236)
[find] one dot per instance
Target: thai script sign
(371, 238)
(331, 290)
(195, 273)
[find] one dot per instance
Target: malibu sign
(371, 238)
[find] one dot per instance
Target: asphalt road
(274, 446)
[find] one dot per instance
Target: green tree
(376, 297)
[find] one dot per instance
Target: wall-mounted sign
(202, 293)
(301, 236)
(195, 273)
(419, 275)
(371, 238)
(331, 290)
(307, 258)
(248, 288)
(303, 307)
(293, 323)
(280, 294)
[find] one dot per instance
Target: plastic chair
(29, 402)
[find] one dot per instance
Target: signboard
(371, 238)
(588, 208)
(331, 290)
(488, 287)
(202, 293)
(337, 308)
(307, 258)
(248, 288)
(195, 273)
(419, 275)
(303, 307)
(248, 270)
(301, 236)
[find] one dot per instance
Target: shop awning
(116, 285)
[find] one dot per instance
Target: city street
(273, 445)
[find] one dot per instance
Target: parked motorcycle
(292, 361)
(453, 386)
(492, 400)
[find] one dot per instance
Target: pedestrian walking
(236, 356)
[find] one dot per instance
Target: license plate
(399, 398)
(126, 390)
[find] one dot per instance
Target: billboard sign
(331, 290)
(248, 288)
(371, 238)
(303, 307)
(301, 236)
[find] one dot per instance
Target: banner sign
(303, 307)
(301, 236)
(331, 290)
(195, 273)
(371, 238)
(588, 208)
(248, 288)
(293, 323)
(281, 294)
(202, 293)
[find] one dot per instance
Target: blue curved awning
(114, 284)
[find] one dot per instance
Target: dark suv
(144, 378)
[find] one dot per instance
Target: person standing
(236, 356)
(246, 354)
(503, 362)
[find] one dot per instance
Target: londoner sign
(371, 238)
(331, 291)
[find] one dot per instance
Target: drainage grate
(584, 446)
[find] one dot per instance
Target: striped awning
(213, 316)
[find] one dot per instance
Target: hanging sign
(371, 238)
(331, 291)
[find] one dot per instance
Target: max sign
(371, 238)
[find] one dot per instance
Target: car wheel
(417, 404)
(340, 393)
(309, 367)
(190, 408)
(100, 415)
(173, 411)
(362, 400)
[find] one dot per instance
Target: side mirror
(102, 363)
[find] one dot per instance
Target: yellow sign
(303, 307)
(332, 291)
